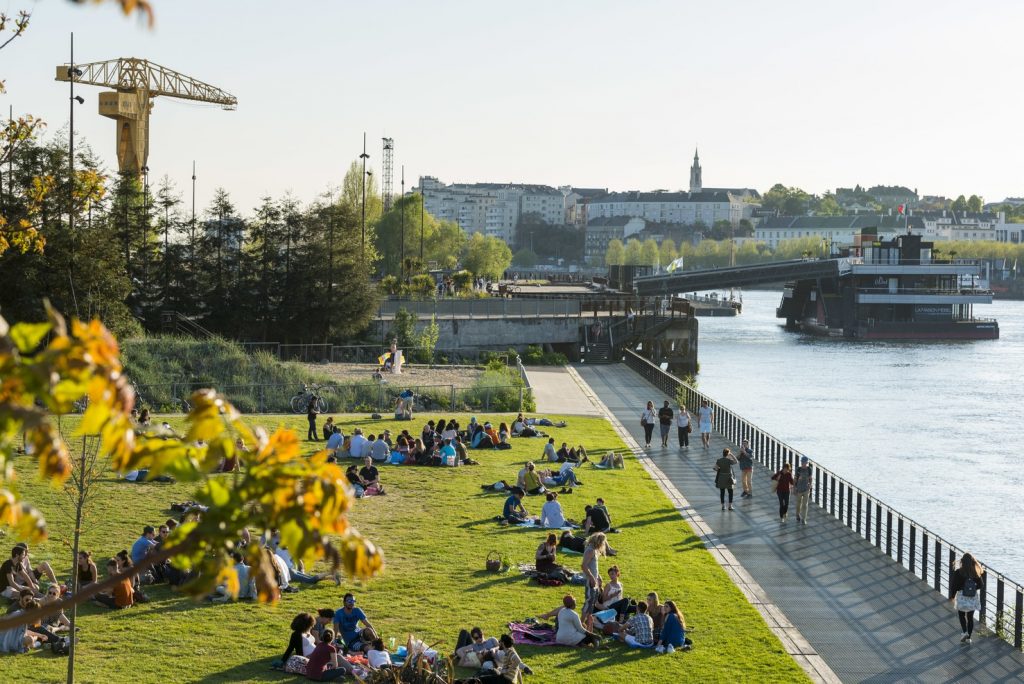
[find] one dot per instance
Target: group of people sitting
(27, 586)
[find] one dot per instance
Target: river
(930, 428)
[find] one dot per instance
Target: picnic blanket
(536, 525)
(532, 634)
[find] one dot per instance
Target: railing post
(849, 505)
(878, 525)
(984, 604)
(1000, 605)
(817, 490)
(952, 562)
(899, 541)
(858, 512)
(1017, 614)
(867, 518)
(451, 389)
(924, 555)
(832, 495)
(888, 533)
(842, 488)
(913, 546)
(938, 566)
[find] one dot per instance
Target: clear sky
(589, 93)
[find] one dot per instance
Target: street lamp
(366, 173)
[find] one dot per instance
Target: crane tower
(388, 172)
(136, 82)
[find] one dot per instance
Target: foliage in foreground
(305, 498)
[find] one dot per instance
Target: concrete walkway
(867, 617)
(557, 392)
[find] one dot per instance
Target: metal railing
(919, 550)
(370, 397)
(492, 307)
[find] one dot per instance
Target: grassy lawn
(436, 527)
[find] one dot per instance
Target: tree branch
(37, 614)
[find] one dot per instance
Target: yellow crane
(136, 83)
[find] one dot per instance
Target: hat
(803, 460)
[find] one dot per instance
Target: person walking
(965, 587)
(803, 489)
(783, 485)
(647, 419)
(746, 461)
(683, 425)
(665, 416)
(311, 414)
(725, 480)
(706, 418)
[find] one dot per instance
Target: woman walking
(965, 588)
(724, 479)
(706, 417)
(683, 425)
(783, 485)
(647, 421)
(803, 489)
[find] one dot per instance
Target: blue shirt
(335, 441)
(379, 450)
(447, 450)
(348, 623)
(511, 506)
(140, 548)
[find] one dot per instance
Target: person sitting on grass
(427, 434)
(551, 514)
(379, 450)
(346, 622)
(402, 448)
(513, 512)
(87, 572)
(12, 580)
(377, 656)
(550, 453)
(416, 452)
(673, 632)
(336, 440)
(470, 646)
(521, 429)
(611, 460)
(503, 434)
(246, 585)
(371, 478)
(596, 520)
(657, 611)
(328, 427)
(448, 453)
(359, 446)
(121, 595)
(479, 439)
(352, 475)
(324, 664)
(492, 433)
(612, 598)
(460, 451)
(301, 642)
(34, 573)
(56, 621)
(638, 631)
(124, 562)
(508, 666)
(571, 631)
(531, 481)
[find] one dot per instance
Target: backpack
(61, 647)
(970, 589)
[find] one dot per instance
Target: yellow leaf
(27, 336)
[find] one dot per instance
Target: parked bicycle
(310, 393)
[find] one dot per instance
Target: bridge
(740, 276)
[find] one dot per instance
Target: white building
(492, 208)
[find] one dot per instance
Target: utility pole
(402, 199)
(362, 222)
(72, 73)
(423, 201)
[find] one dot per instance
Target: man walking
(311, 414)
(746, 461)
(665, 416)
(803, 490)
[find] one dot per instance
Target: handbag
(494, 562)
(967, 604)
(689, 428)
(774, 485)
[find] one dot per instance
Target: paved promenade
(867, 617)
(556, 391)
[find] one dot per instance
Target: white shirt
(284, 555)
(551, 515)
(550, 453)
(565, 467)
(449, 434)
(683, 419)
(358, 446)
(570, 629)
(282, 569)
(308, 644)
(378, 658)
(649, 417)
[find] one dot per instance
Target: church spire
(695, 180)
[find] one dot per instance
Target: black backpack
(970, 589)
(61, 647)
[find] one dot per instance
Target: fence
(352, 398)
(370, 353)
(492, 307)
(915, 547)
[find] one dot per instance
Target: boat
(892, 290)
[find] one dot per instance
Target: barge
(891, 290)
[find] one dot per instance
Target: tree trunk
(79, 504)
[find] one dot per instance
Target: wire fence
(371, 353)
(924, 553)
(376, 397)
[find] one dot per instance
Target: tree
(486, 256)
(649, 253)
(615, 255)
(974, 203)
(634, 254)
(524, 258)
(786, 201)
(960, 204)
(46, 367)
(667, 252)
(828, 206)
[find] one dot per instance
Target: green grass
(436, 527)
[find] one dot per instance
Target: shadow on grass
(671, 516)
(587, 659)
(248, 672)
(690, 543)
(509, 577)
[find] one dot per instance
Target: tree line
(709, 253)
(287, 271)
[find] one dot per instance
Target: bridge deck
(871, 620)
(738, 276)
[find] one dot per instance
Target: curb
(792, 640)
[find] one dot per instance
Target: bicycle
(310, 393)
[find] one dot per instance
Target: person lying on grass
(298, 571)
(566, 453)
(611, 460)
(346, 622)
(569, 628)
(377, 656)
(565, 476)
(470, 647)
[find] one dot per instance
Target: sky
(588, 93)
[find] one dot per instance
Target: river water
(930, 428)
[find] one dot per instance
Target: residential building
(601, 231)
(577, 201)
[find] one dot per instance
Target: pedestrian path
(866, 616)
(557, 392)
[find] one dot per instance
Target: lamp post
(402, 198)
(362, 222)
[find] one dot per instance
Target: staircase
(599, 352)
